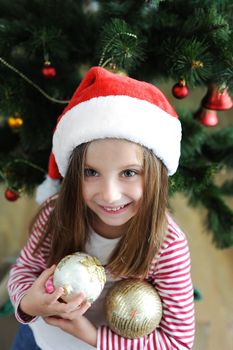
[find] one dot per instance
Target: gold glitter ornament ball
(80, 272)
(133, 308)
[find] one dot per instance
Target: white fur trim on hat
(122, 117)
(46, 189)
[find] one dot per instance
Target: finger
(84, 307)
(44, 276)
(63, 309)
(75, 301)
(53, 298)
(78, 312)
(58, 309)
(49, 287)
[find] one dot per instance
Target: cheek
(85, 192)
(137, 191)
(139, 198)
(137, 194)
(88, 191)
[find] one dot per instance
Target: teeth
(114, 209)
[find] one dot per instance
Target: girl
(114, 145)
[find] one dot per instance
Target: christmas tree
(47, 46)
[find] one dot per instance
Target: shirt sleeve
(29, 266)
(170, 275)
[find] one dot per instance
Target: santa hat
(110, 105)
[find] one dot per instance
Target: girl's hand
(39, 303)
(80, 327)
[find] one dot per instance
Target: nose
(110, 191)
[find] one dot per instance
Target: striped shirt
(169, 273)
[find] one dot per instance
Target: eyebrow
(133, 166)
(127, 166)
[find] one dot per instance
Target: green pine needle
(120, 45)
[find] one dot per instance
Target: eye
(90, 172)
(129, 173)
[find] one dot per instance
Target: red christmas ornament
(11, 195)
(48, 70)
(217, 99)
(207, 117)
(180, 90)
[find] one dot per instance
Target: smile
(115, 210)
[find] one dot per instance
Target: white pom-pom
(48, 188)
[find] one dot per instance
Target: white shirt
(49, 337)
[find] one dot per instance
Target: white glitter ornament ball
(80, 272)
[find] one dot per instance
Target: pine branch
(188, 60)
(196, 167)
(219, 218)
(150, 40)
(218, 147)
(120, 45)
(227, 188)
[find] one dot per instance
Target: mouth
(115, 210)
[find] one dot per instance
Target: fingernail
(49, 287)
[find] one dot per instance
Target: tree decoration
(113, 68)
(151, 40)
(80, 272)
(15, 121)
(30, 82)
(11, 195)
(197, 64)
(180, 90)
(207, 117)
(217, 98)
(133, 308)
(48, 70)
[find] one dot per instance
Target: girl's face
(113, 184)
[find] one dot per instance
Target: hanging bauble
(180, 90)
(217, 99)
(11, 195)
(207, 117)
(15, 122)
(48, 70)
(133, 308)
(80, 272)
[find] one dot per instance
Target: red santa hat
(109, 105)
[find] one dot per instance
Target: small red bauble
(11, 195)
(180, 90)
(48, 70)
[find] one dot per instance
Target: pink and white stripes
(169, 272)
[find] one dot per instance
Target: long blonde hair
(68, 222)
